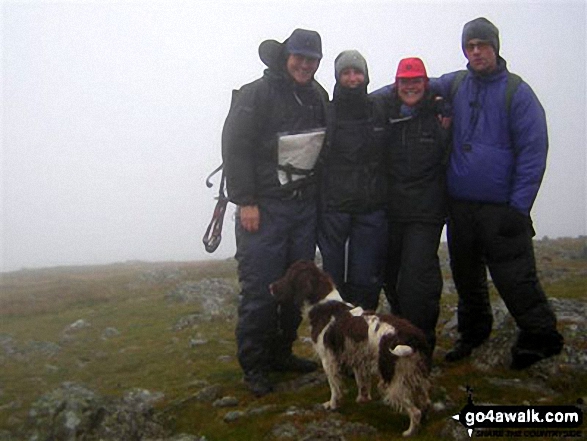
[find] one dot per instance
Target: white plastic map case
(300, 151)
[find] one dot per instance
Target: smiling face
(351, 78)
(301, 68)
(481, 55)
(411, 90)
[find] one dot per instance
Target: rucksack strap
(513, 81)
(456, 82)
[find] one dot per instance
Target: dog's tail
(402, 351)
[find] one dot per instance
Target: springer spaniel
(371, 344)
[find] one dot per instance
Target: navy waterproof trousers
(354, 248)
(265, 330)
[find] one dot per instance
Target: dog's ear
(281, 290)
(303, 289)
(284, 289)
(325, 285)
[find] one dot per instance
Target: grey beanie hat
(482, 29)
(350, 58)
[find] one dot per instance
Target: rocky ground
(75, 412)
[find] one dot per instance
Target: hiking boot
(258, 383)
(524, 358)
(293, 363)
(462, 349)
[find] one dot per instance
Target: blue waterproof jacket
(495, 158)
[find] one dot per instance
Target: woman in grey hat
(352, 222)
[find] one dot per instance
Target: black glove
(513, 223)
(442, 107)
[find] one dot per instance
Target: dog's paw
(410, 432)
(363, 399)
(329, 405)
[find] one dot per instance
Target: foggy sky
(112, 111)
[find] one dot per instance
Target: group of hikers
(372, 179)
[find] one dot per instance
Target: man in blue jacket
(495, 170)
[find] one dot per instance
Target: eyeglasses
(411, 81)
(481, 45)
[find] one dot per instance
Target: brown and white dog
(371, 344)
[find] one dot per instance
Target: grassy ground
(38, 305)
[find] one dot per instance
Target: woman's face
(411, 90)
(351, 78)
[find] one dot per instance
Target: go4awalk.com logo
(521, 421)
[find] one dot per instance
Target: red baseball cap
(411, 68)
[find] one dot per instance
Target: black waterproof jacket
(417, 155)
(270, 106)
(353, 168)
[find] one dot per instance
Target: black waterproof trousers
(266, 330)
(492, 236)
(414, 279)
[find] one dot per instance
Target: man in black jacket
(270, 143)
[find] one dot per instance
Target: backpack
(213, 234)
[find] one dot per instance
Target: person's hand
(250, 217)
(443, 112)
(445, 121)
(513, 222)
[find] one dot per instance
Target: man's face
(481, 56)
(301, 68)
(411, 90)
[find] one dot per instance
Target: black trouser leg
(469, 273)
(418, 280)
(512, 265)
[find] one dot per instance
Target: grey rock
(73, 412)
(188, 321)
(234, 415)
(302, 382)
(260, 410)
(335, 429)
(197, 342)
(495, 352)
(516, 383)
(8, 344)
(217, 297)
(285, 431)
(438, 406)
(208, 394)
(77, 325)
(454, 430)
(225, 402)
(157, 276)
(110, 333)
(45, 348)
(180, 437)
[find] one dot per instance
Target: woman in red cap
(416, 162)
